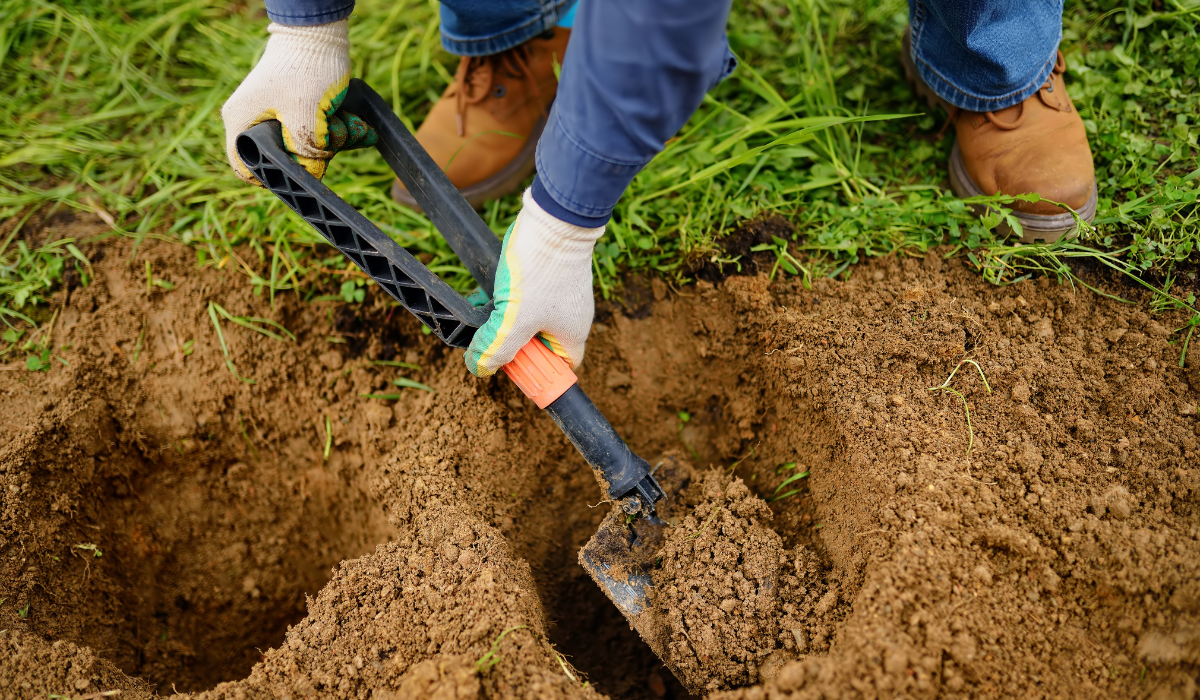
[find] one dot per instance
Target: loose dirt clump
(167, 525)
(732, 597)
(430, 617)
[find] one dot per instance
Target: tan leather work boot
(484, 130)
(1038, 146)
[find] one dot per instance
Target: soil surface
(169, 526)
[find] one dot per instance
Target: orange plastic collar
(539, 373)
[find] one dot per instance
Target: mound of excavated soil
(733, 601)
(167, 527)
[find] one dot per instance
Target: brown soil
(1059, 558)
(732, 600)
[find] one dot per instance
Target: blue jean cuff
(975, 103)
(508, 39)
(548, 204)
(581, 182)
(324, 15)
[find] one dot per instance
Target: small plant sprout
(945, 386)
(89, 547)
(251, 322)
(152, 281)
(352, 292)
(212, 314)
(328, 438)
(24, 612)
(396, 363)
(39, 358)
(410, 384)
(790, 466)
(733, 467)
(706, 523)
(1187, 339)
(137, 348)
(492, 657)
(563, 665)
(246, 437)
(784, 260)
(254, 323)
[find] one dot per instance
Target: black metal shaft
(622, 472)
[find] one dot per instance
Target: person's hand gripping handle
(301, 81)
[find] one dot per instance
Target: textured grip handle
(444, 311)
(539, 373)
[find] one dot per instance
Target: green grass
(117, 112)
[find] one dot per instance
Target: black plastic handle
(469, 237)
(451, 317)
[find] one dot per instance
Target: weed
(396, 363)
(24, 612)
(410, 384)
(252, 322)
(563, 665)
(684, 418)
(492, 657)
(328, 439)
(137, 348)
(152, 281)
(246, 435)
(212, 314)
(352, 292)
(945, 386)
(790, 466)
(733, 467)
(90, 548)
(385, 397)
(708, 522)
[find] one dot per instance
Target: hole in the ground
(592, 633)
(707, 414)
(207, 556)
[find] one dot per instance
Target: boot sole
(504, 182)
(1036, 228)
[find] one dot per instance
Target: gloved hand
(301, 81)
(543, 287)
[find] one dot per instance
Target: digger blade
(617, 560)
(609, 558)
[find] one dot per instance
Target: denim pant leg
(985, 55)
(634, 74)
(486, 27)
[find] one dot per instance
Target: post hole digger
(613, 554)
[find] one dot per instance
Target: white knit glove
(543, 287)
(301, 81)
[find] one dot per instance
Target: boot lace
(476, 79)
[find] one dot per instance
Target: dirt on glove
(167, 525)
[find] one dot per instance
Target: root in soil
(290, 538)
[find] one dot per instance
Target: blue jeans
(985, 55)
(637, 70)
